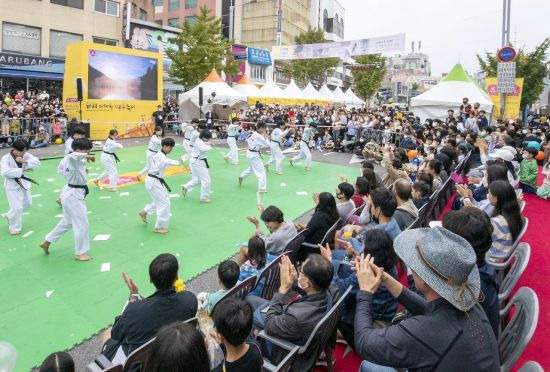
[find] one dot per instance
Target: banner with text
(341, 49)
(512, 102)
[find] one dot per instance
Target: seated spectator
(178, 347)
(420, 194)
(293, 319)
(325, 215)
(362, 190)
(434, 168)
(506, 218)
(475, 226)
(41, 139)
(345, 205)
(143, 317)
(58, 362)
(444, 270)
(494, 172)
(406, 211)
(228, 276)
(372, 178)
(369, 165)
(394, 168)
(475, 185)
(383, 205)
(258, 259)
(446, 163)
(233, 323)
(529, 171)
(280, 232)
(379, 245)
(428, 178)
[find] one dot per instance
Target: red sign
(506, 54)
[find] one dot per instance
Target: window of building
(59, 41)
(107, 6)
(79, 4)
(157, 3)
(102, 40)
(191, 20)
(190, 4)
(142, 14)
(21, 39)
(174, 22)
(257, 72)
(173, 5)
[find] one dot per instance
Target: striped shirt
(502, 237)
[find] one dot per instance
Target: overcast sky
(450, 30)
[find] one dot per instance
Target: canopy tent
(293, 92)
(313, 95)
(326, 92)
(246, 87)
(352, 99)
(448, 94)
(270, 93)
(338, 95)
(222, 102)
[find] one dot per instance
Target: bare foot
(161, 231)
(143, 216)
(226, 159)
(291, 162)
(307, 169)
(206, 200)
(58, 201)
(240, 181)
(96, 182)
(183, 191)
(112, 190)
(82, 257)
(45, 245)
(15, 232)
(263, 191)
(139, 177)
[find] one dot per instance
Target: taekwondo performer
(75, 214)
(17, 186)
(199, 167)
(78, 132)
(232, 135)
(109, 160)
(275, 139)
(307, 135)
(190, 134)
(158, 189)
(256, 141)
(152, 149)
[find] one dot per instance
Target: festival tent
(338, 95)
(270, 93)
(313, 95)
(246, 87)
(448, 94)
(294, 93)
(225, 99)
(352, 99)
(326, 92)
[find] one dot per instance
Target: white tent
(270, 93)
(352, 99)
(293, 92)
(312, 94)
(326, 92)
(448, 94)
(338, 95)
(225, 98)
(245, 87)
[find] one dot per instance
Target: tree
(532, 67)
(202, 48)
(367, 81)
(305, 70)
(415, 86)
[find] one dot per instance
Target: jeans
(527, 188)
(37, 145)
(367, 366)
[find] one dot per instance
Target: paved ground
(85, 352)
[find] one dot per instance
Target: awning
(7, 72)
(172, 86)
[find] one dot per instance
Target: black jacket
(318, 226)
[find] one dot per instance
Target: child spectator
(228, 275)
(258, 259)
(544, 190)
(528, 171)
(58, 362)
(420, 193)
(233, 322)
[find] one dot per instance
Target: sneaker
(291, 162)
(240, 181)
(183, 191)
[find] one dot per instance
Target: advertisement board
(512, 102)
(122, 88)
(143, 36)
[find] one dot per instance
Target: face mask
(485, 182)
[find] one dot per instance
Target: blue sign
(506, 54)
(259, 56)
(31, 63)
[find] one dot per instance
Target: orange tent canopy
(213, 77)
(245, 80)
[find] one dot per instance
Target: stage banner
(512, 102)
(341, 49)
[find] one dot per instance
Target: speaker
(79, 88)
(200, 96)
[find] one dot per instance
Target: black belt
(205, 161)
(257, 152)
(188, 139)
(307, 144)
(112, 153)
(18, 181)
(162, 181)
(152, 151)
(85, 187)
(276, 141)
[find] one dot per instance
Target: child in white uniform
(304, 148)
(75, 214)
(78, 132)
(158, 189)
(152, 149)
(188, 134)
(199, 167)
(275, 139)
(232, 135)
(256, 141)
(109, 160)
(17, 186)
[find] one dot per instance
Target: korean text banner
(512, 102)
(341, 49)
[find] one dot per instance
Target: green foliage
(305, 70)
(415, 86)
(367, 82)
(530, 66)
(202, 48)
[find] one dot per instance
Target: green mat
(51, 303)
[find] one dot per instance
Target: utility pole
(506, 5)
(231, 20)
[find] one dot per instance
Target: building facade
(174, 13)
(328, 15)
(36, 33)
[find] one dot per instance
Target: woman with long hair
(506, 218)
(325, 215)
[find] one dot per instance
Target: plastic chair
(321, 334)
(138, 358)
(502, 263)
(284, 365)
(271, 276)
(240, 290)
(294, 245)
(115, 368)
(518, 262)
(531, 366)
(307, 248)
(517, 333)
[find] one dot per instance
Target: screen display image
(117, 76)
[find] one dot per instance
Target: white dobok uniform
(232, 135)
(17, 188)
(108, 158)
(190, 135)
(199, 169)
(277, 156)
(152, 149)
(255, 143)
(304, 148)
